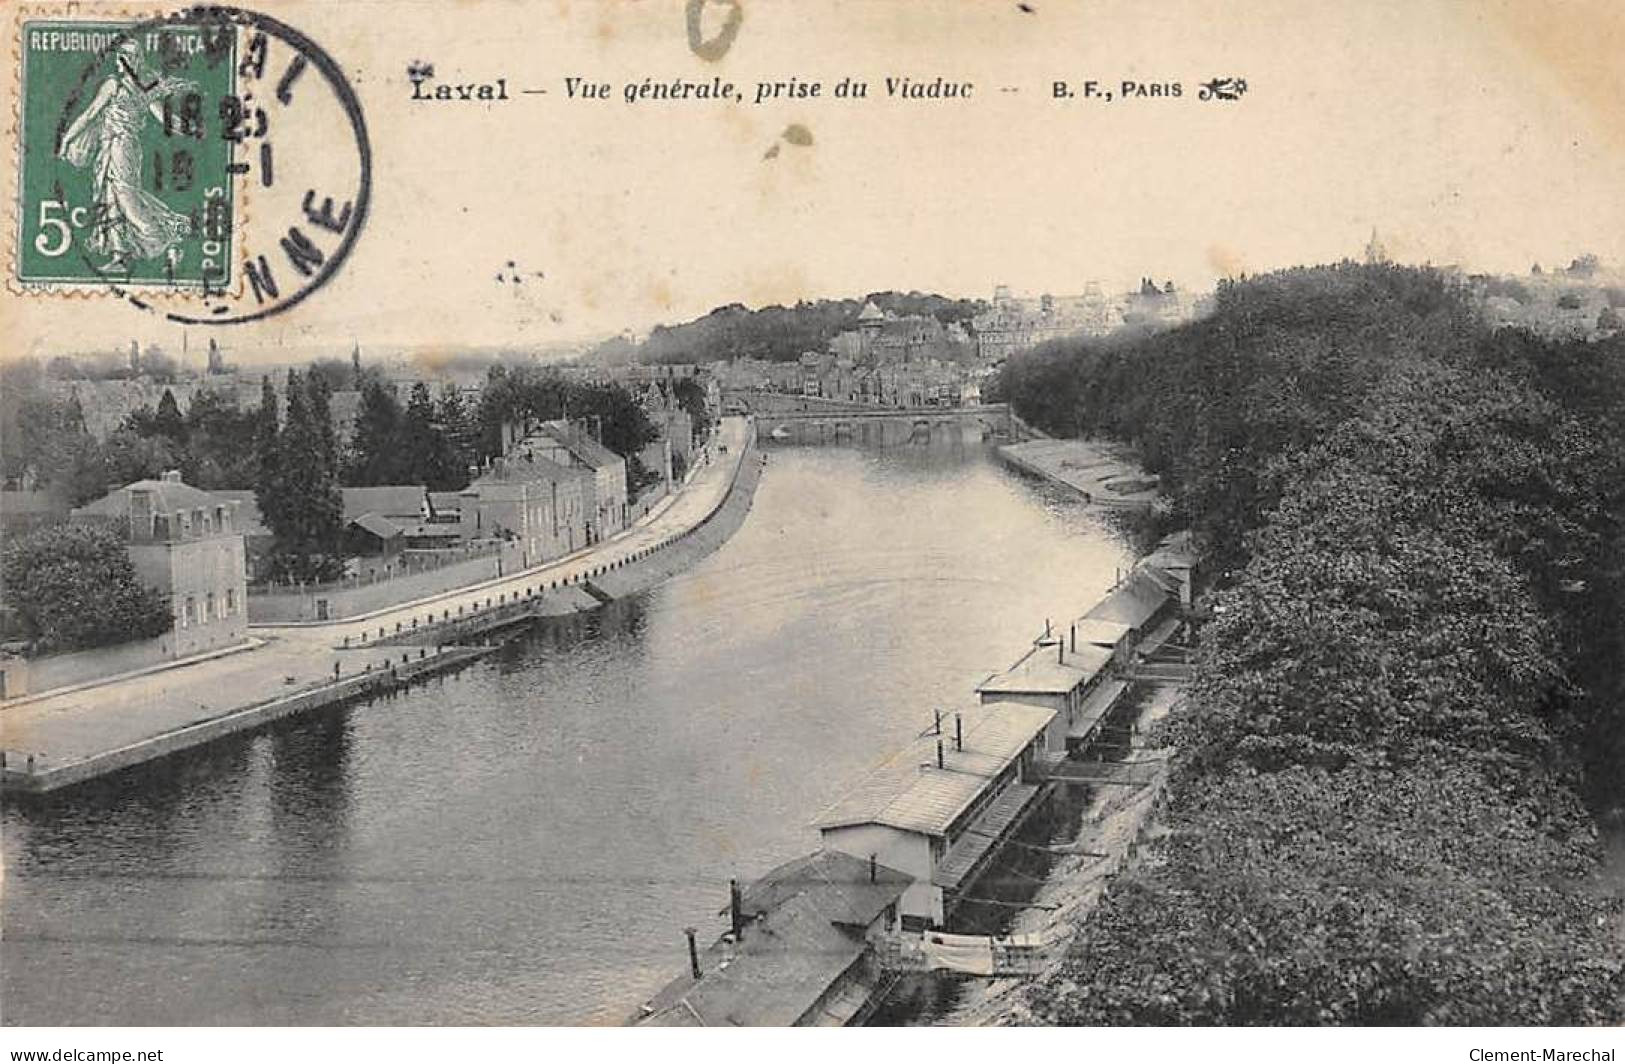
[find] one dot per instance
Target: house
(676, 427)
(1138, 603)
(373, 536)
(1176, 557)
(406, 502)
(1056, 678)
(1113, 637)
(185, 544)
(524, 497)
(673, 447)
(927, 811)
(257, 537)
(568, 444)
(381, 521)
(797, 952)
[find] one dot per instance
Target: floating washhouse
(1139, 603)
(1175, 558)
(936, 810)
(1055, 677)
(1080, 670)
(904, 847)
(797, 952)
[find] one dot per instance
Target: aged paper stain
(716, 47)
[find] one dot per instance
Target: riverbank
(1114, 825)
(1100, 472)
(63, 739)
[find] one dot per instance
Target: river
(524, 841)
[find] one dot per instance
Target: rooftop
(1039, 673)
(445, 501)
(581, 444)
(1133, 602)
(911, 793)
(1099, 632)
(378, 525)
(805, 927)
(249, 521)
(169, 496)
(391, 500)
(524, 465)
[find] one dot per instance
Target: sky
(1485, 134)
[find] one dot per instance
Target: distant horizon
(558, 349)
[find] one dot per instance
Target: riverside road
(76, 725)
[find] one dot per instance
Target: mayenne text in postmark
(210, 165)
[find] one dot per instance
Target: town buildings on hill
(1014, 323)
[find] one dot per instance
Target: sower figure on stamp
(131, 222)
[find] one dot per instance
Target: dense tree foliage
(513, 394)
(297, 486)
(1356, 897)
(775, 333)
(44, 441)
(427, 451)
(392, 445)
(1414, 652)
(211, 445)
(72, 587)
(375, 456)
(459, 424)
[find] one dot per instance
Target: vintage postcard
(758, 513)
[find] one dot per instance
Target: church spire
(1375, 253)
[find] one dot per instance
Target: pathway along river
(524, 841)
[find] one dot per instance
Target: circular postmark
(210, 165)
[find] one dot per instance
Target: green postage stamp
(125, 141)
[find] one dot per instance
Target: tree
(320, 392)
(300, 500)
(375, 456)
(43, 442)
(336, 373)
(73, 587)
(427, 457)
(268, 491)
(775, 333)
(167, 422)
(220, 447)
(130, 456)
(611, 412)
(461, 430)
(1308, 897)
